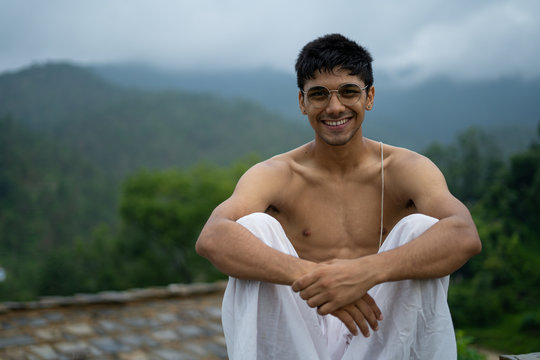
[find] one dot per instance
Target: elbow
(211, 242)
(468, 241)
(202, 249)
(203, 246)
(478, 246)
(474, 244)
(199, 247)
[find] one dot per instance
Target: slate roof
(176, 322)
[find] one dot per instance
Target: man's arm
(441, 250)
(233, 249)
(448, 244)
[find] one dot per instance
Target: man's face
(336, 124)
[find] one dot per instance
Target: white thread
(382, 195)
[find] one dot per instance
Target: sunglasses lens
(349, 93)
(319, 96)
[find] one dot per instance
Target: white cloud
(415, 39)
(501, 39)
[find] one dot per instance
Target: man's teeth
(335, 123)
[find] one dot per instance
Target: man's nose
(334, 104)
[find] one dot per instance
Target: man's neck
(341, 159)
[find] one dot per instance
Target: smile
(335, 123)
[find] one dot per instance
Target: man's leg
(268, 321)
(417, 322)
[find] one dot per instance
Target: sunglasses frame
(329, 96)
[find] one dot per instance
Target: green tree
(49, 197)
(469, 165)
(162, 214)
(500, 291)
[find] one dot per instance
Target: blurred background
(124, 123)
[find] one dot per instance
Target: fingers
(308, 292)
(359, 319)
(373, 305)
(324, 302)
(361, 315)
(353, 319)
(318, 301)
(326, 308)
(346, 319)
(303, 282)
(367, 314)
(328, 302)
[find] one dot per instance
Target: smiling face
(336, 124)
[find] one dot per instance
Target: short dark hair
(330, 51)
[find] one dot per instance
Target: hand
(335, 284)
(359, 315)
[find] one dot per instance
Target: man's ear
(301, 102)
(370, 98)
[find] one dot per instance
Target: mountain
(273, 89)
(121, 130)
(69, 138)
(412, 116)
(48, 194)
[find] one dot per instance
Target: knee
(253, 218)
(267, 229)
(258, 223)
(418, 223)
(407, 229)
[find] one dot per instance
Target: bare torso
(327, 215)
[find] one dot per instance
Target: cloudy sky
(415, 39)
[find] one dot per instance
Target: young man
(339, 235)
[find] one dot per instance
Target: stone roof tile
(173, 322)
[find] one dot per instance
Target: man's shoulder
(402, 163)
(273, 167)
(399, 156)
(407, 169)
(284, 163)
(279, 167)
(269, 178)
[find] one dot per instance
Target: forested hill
(410, 115)
(121, 130)
(69, 140)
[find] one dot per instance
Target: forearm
(235, 251)
(439, 251)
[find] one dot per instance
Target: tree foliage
(161, 215)
(48, 198)
(499, 286)
(469, 164)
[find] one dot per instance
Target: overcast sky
(416, 39)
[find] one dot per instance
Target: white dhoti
(268, 321)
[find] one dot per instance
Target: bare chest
(335, 221)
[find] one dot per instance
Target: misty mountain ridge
(412, 116)
(84, 106)
(121, 130)
(69, 139)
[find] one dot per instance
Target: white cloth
(268, 321)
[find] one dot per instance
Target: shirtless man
(337, 199)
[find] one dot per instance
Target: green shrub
(465, 352)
